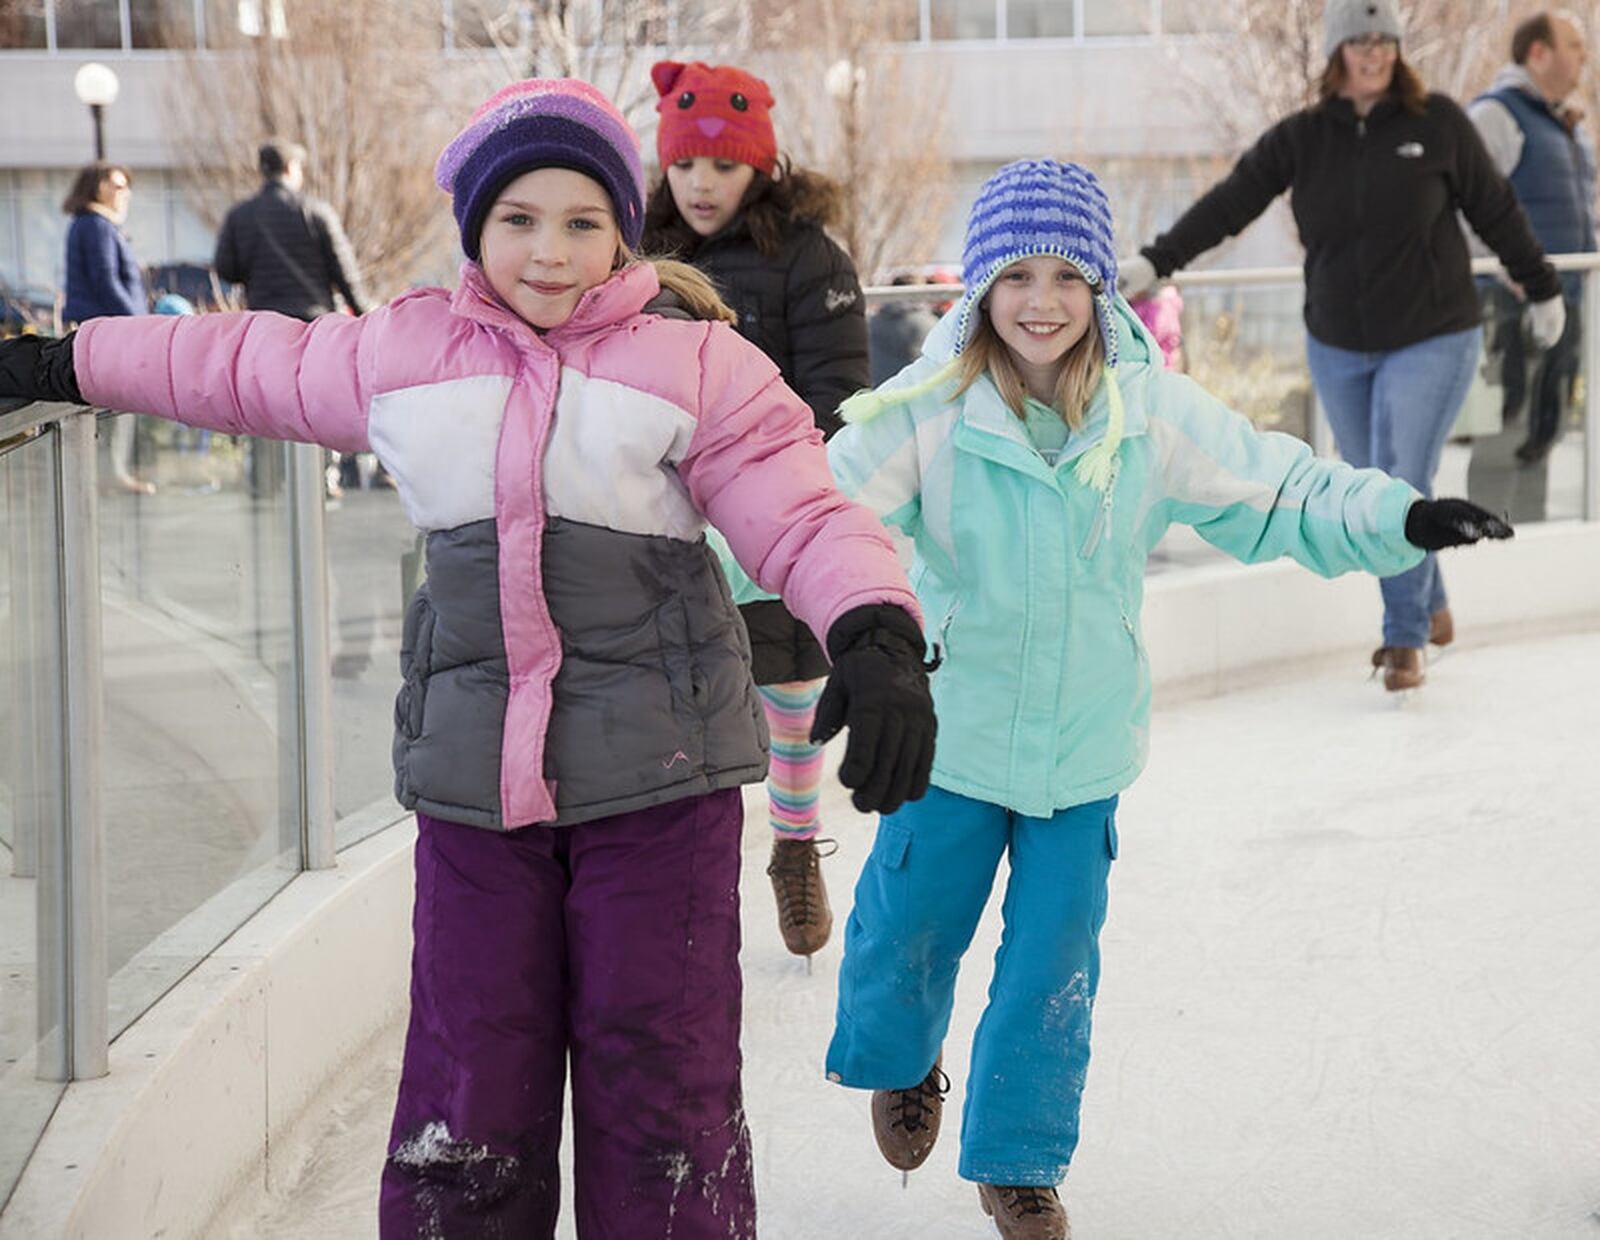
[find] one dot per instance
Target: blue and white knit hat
(1028, 208)
(1032, 207)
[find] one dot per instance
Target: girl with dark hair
(729, 204)
(1377, 170)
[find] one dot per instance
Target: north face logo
(837, 299)
(1409, 150)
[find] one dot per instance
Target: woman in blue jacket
(103, 278)
(1035, 454)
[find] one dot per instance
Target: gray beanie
(1350, 19)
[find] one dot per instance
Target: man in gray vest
(288, 250)
(1533, 136)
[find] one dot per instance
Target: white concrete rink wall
(1211, 628)
(205, 1084)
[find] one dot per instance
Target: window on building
(161, 23)
(22, 24)
(1040, 19)
(1117, 17)
(962, 19)
(1193, 17)
(88, 24)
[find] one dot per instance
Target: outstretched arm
(255, 373)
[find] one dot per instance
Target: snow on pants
(917, 905)
(613, 943)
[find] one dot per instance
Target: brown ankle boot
(906, 1121)
(1025, 1212)
(804, 918)
(1441, 628)
(1402, 666)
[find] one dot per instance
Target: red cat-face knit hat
(713, 110)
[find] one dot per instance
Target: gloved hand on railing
(1433, 524)
(38, 368)
(1547, 319)
(879, 689)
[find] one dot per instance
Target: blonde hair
(1080, 375)
(688, 284)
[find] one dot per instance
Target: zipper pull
(1103, 517)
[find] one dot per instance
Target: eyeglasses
(1373, 43)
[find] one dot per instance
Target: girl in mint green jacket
(1035, 454)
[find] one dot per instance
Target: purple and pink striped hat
(542, 123)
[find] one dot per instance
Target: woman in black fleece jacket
(1376, 171)
(729, 205)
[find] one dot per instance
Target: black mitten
(879, 690)
(38, 368)
(1436, 523)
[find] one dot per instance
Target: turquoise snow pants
(917, 905)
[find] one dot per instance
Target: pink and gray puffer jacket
(575, 652)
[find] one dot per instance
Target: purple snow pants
(616, 943)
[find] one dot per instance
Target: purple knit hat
(542, 123)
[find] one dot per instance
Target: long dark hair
(769, 208)
(86, 186)
(1405, 87)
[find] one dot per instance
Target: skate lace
(1024, 1199)
(912, 1108)
(799, 887)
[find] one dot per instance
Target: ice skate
(804, 918)
(1401, 667)
(1025, 1212)
(1441, 628)
(906, 1121)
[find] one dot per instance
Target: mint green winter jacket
(1031, 582)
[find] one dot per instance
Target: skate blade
(808, 966)
(905, 1180)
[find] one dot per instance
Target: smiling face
(1368, 67)
(549, 238)
(707, 192)
(1040, 308)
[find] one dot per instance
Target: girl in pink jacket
(577, 713)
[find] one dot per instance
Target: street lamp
(96, 85)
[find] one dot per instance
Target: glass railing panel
(33, 1048)
(201, 753)
(374, 562)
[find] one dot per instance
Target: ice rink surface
(1351, 989)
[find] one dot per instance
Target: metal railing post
(1591, 395)
(313, 674)
(82, 717)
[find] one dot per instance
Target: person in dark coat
(728, 204)
(104, 279)
(287, 249)
(291, 254)
(895, 332)
(1376, 171)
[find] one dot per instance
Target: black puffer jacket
(1375, 200)
(290, 254)
(803, 307)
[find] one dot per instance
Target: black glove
(1435, 523)
(38, 368)
(879, 689)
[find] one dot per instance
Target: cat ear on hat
(665, 73)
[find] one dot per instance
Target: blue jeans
(1393, 410)
(917, 905)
